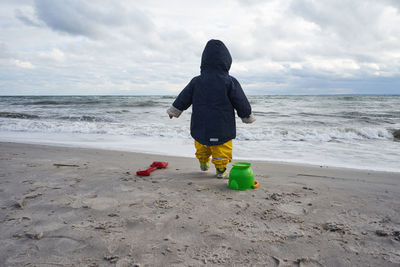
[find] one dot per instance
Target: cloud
(393, 3)
(23, 64)
(354, 20)
(278, 46)
(325, 38)
(90, 19)
(27, 17)
(253, 2)
(55, 54)
(4, 51)
(68, 18)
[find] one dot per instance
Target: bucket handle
(255, 185)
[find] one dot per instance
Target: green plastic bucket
(241, 177)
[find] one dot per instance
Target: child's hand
(249, 119)
(173, 112)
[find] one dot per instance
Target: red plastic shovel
(155, 165)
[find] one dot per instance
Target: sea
(351, 131)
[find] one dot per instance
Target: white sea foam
(177, 130)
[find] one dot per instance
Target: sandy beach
(84, 207)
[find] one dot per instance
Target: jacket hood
(216, 56)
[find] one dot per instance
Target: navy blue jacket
(214, 95)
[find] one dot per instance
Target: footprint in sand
(290, 208)
(100, 203)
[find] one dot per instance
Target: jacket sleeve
(239, 99)
(184, 99)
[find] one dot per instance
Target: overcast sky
(63, 47)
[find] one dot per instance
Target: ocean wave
(122, 102)
(89, 127)
(268, 113)
(14, 115)
(95, 125)
(85, 118)
(63, 102)
(317, 135)
(348, 98)
(118, 111)
(146, 103)
(370, 115)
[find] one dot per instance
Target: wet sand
(85, 207)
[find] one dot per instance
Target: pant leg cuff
(220, 166)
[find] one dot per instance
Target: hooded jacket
(214, 95)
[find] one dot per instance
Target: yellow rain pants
(221, 154)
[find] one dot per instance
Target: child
(214, 96)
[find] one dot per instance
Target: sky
(154, 47)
